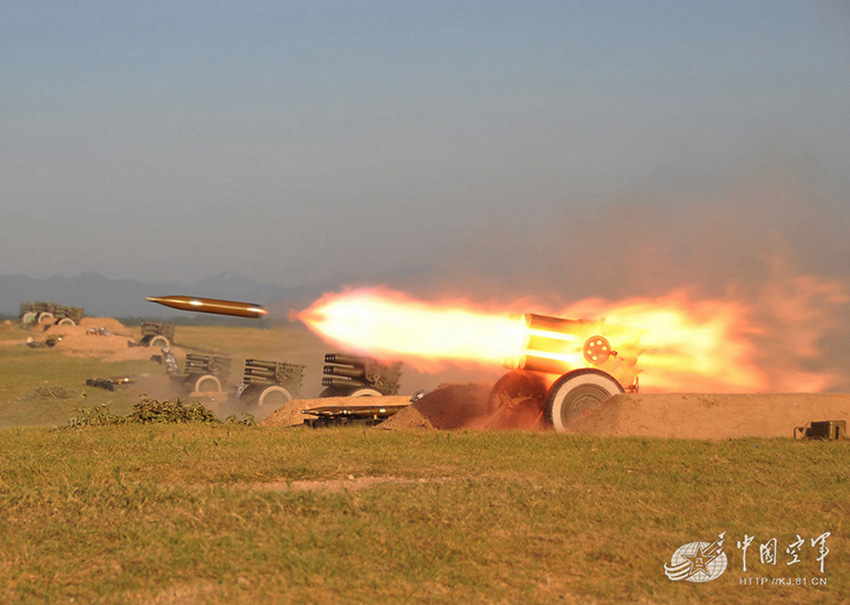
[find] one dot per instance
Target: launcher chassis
(591, 362)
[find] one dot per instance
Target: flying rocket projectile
(210, 305)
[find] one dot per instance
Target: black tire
(366, 392)
(274, 396)
(251, 394)
(577, 393)
(66, 321)
(518, 389)
(207, 384)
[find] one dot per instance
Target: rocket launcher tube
(339, 382)
(259, 363)
(344, 371)
(547, 323)
(210, 305)
(545, 365)
(259, 372)
(555, 345)
(547, 343)
(345, 359)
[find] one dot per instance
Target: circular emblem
(697, 562)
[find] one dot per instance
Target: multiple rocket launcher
(554, 346)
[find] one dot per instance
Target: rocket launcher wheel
(205, 384)
(367, 392)
(518, 389)
(578, 393)
(517, 400)
(273, 396)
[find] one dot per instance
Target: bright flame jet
(389, 325)
(685, 345)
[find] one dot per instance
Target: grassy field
(43, 386)
(221, 513)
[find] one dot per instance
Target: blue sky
(363, 142)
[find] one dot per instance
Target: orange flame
(687, 345)
(387, 324)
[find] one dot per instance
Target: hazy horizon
(385, 142)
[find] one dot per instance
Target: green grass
(43, 387)
(28, 376)
(132, 513)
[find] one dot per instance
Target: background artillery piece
(270, 383)
(356, 376)
(49, 313)
(205, 373)
(156, 334)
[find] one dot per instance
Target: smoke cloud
(772, 244)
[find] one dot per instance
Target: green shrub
(150, 410)
(99, 415)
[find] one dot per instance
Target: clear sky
(361, 142)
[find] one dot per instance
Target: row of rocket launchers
(342, 372)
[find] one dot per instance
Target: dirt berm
(670, 415)
(702, 416)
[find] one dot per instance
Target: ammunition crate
(823, 429)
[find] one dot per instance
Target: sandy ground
(88, 339)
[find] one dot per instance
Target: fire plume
(387, 324)
(683, 344)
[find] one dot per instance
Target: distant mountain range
(104, 297)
